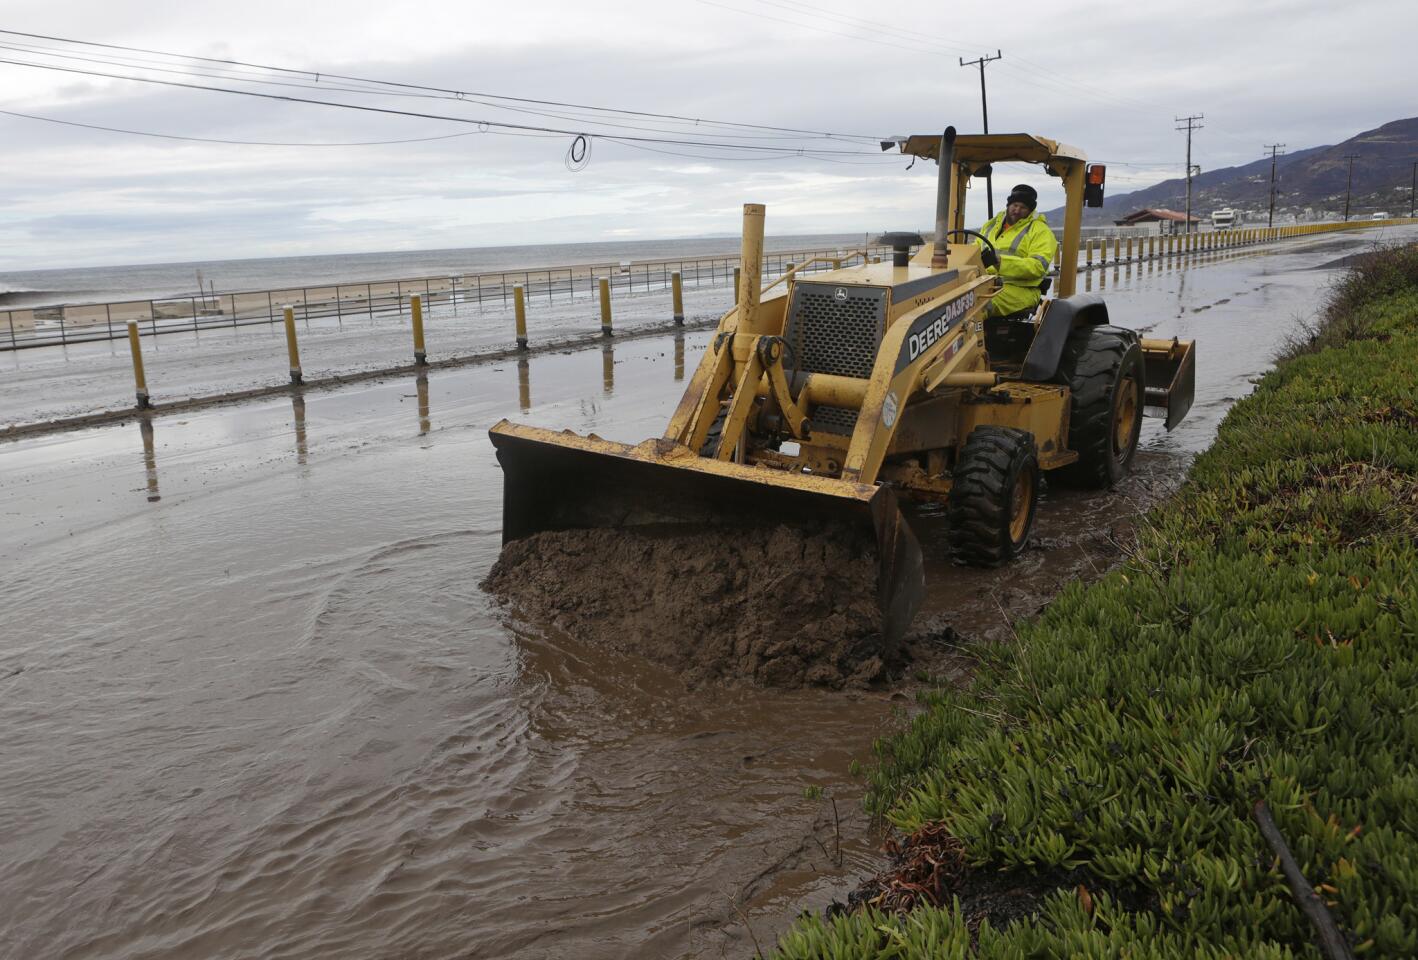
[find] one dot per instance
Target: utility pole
(1349, 187)
(1273, 148)
(1191, 124)
(985, 114)
(1413, 189)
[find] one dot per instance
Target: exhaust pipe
(751, 264)
(946, 160)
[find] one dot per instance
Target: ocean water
(35, 288)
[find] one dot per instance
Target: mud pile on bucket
(779, 606)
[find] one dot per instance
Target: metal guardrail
(88, 322)
(80, 323)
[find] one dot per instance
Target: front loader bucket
(561, 480)
(1170, 367)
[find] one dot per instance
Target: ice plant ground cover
(1260, 643)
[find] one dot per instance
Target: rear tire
(993, 496)
(1103, 369)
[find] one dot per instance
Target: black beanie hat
(1025, 194)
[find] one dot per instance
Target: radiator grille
(838, 420)
(836, 329)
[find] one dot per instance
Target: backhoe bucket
(1170, 370)
(560, 480)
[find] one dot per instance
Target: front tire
(1103, 369)
(993, 495)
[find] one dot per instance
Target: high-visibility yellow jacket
(1026, 251)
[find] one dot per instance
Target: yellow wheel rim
(1125, 420)
(1021, 500)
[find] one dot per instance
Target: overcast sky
(1109, 77)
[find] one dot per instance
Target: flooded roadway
(255, 705)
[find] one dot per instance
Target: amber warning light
(1093, 186)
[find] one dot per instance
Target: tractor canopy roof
(991, 148)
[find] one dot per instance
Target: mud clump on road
(778, 606)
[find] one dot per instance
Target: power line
(260, 143)
(482, 124)
(985, 114)
(444, 91)
(205, 73)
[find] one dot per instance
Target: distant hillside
(1310, 181)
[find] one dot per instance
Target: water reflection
(524, 384)
(608, 369)
(421, 383)
(150, 458)
(679, 356)
(297, 402)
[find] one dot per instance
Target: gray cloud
(1106, 76)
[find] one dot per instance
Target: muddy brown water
(254, 703)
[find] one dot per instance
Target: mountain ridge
(1310, 183)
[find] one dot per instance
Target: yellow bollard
(291, 347)
(141, 381)
(1088, 254)
(416, 307)
(1151, 246)
(677, 288)
(836, 263)
(605, 285)
(1129, 249)
(736, 284)
(519, 304)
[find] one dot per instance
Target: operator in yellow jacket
(1025, 246)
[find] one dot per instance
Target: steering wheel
(994, 254)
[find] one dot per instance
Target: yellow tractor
(825, 401)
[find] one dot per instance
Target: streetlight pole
(1413, 189)
(985, 115)
(1349, 187)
